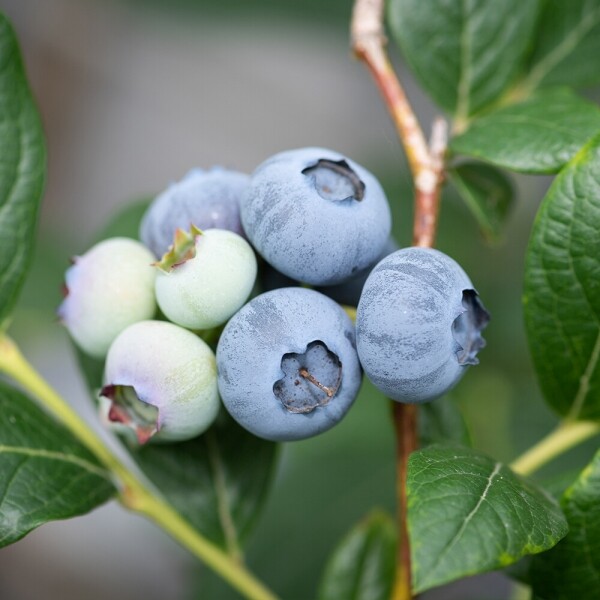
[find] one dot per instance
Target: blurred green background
(133, 94)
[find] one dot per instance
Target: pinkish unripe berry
(107, 289)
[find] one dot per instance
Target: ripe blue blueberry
(207, 199)
(205, 278)
(160, 381)
(287, 364)
(315, 215)
(108, 288)
(418, 325)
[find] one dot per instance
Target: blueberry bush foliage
(511, 78)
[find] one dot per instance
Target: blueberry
(207, 199)
(418, 324)
(349, 292)
(287, 364)
(205, 278)
(315, 215)
(160, 380)
(106, 289)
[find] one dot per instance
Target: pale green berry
(205, 278)
(108, 288)
(160, 380)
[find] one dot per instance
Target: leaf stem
(134, 494)
(566, 436)
(15, 365)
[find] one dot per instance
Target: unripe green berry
(161, 381)
(108, 288)
(201, 284)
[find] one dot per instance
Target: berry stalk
(405, 424)
(426, 162)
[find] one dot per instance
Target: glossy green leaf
(468, 514)
(465, 53)
(562, 288)
(572, 569)
(45, 474)
(488, 194)
(362, 567)
(217, 481)
(567, 48)
(441, 421)
(22, 170)
(539, 135)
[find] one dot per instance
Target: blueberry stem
(426, 160)
(304, 373)
(405, 425)
(134, 493)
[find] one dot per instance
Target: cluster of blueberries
(289, 362)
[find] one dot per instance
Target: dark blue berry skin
(349, 292)
(418, 325)
(271, 279)
(262, 352)
(315, 215)
(207, 199)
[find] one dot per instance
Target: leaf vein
(563, 49)
(223, 503)
(53, 455)
(464, 83)
(468, 518)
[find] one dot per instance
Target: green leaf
(363, 565)
(468, 514)
(441, 422)
(487, 192)
(465, 53)
(22, 170)
(572, 569)
(217, 481)
(45, 474)
(562, 291)
(539, 135)
(567, 49)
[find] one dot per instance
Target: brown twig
(426, 163)
(405, 424)
(428, 188)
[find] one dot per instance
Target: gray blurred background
(133, 94)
